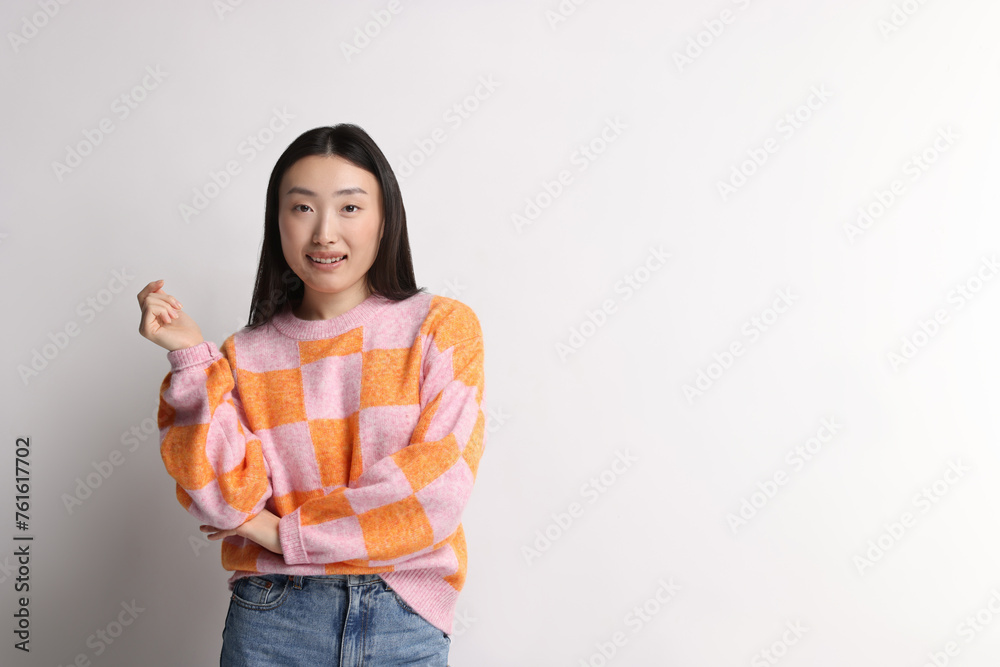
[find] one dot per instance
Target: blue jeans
(340, 620)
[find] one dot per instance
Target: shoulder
(449, 321)
(431, 317)
(239, 343)
(228, 348)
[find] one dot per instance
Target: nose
(326, 228)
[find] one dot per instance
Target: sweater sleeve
(411, 501)
(218, 463)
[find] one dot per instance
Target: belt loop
(296, 581)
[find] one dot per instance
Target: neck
(323, 306)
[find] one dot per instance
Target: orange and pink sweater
(362, 432)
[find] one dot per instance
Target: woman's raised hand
(163, 322)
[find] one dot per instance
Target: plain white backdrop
(735, 263)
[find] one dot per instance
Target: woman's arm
(217, 461)
(262, 529)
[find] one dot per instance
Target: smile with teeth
(327, 261)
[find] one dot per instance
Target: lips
(339, 259)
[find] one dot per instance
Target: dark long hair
(391, 275)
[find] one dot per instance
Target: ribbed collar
(287, 323)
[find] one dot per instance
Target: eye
(296, 207)
(351, 206)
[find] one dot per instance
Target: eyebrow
(309, 193)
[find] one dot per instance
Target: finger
(151, 327)
(157, 315)
(159, 291)
(144, 291)
(161, 303)
(147, 289)
(164, 298)
(168, 297)
(171, 313)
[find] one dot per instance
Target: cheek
(373, 234)
(287, 239)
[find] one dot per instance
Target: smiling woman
(330, 218)
(332, 443)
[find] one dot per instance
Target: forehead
(325, 173)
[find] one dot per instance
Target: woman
(333, 442)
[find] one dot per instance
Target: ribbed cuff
(293, 551)
(203, 353)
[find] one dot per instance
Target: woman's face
(328, 207)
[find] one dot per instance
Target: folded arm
(409, 502)
(217, 461)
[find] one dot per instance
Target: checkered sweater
(362, 432)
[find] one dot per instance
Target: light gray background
(556, 422)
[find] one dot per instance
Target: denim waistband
(350, 579)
